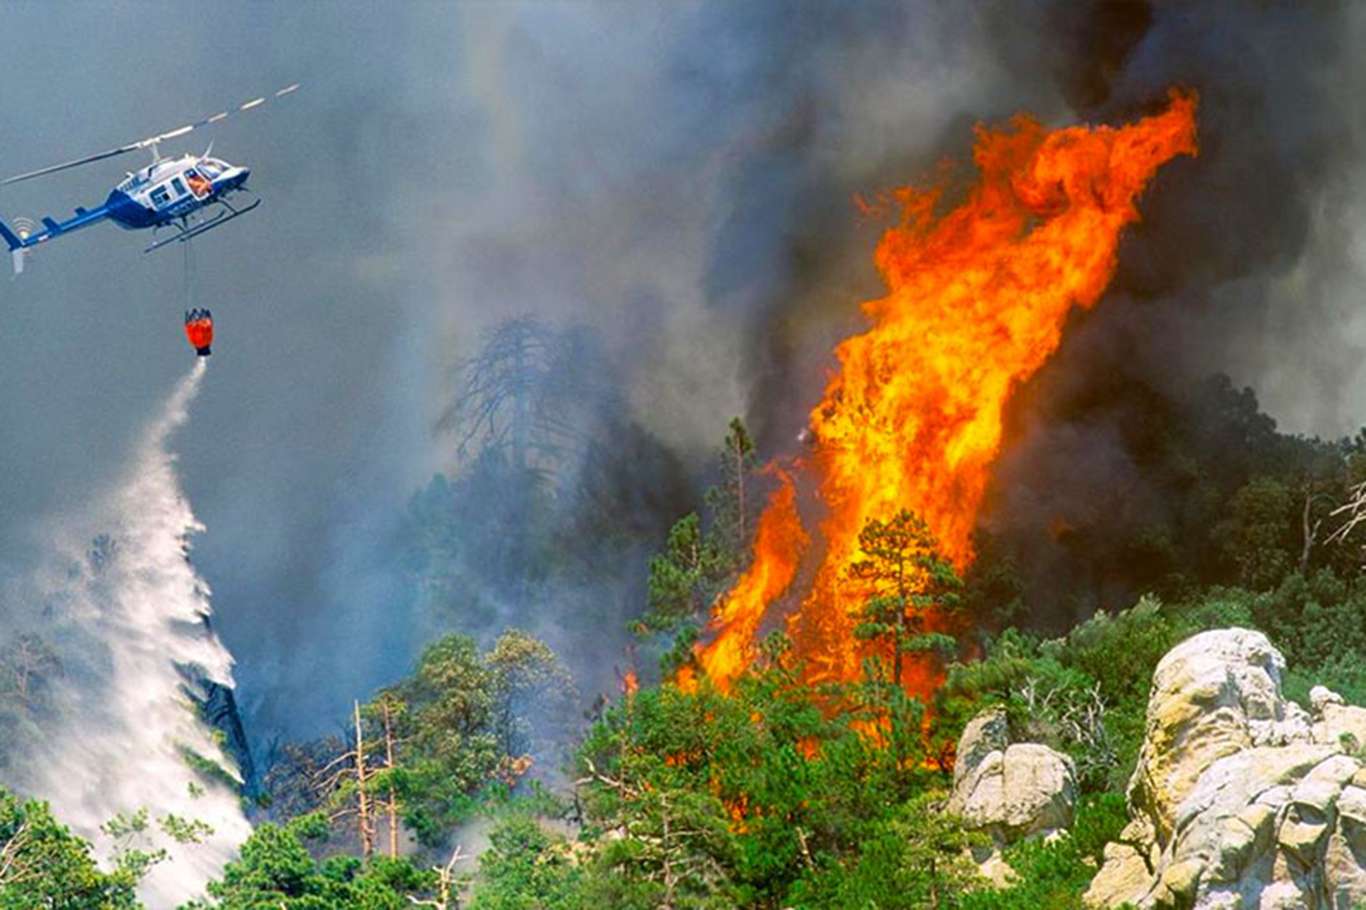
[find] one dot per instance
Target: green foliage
(42, 864)
(993, 589)
(1258, 537)
(276, 870)
(128, 830)
(533, 693)
(685, 577)
(914, 857)
(776, 794)
(700, 558)
(209, 771)
(1318, 622)
(903, 577)
(731, 502)
(527, 868)
(1344, 673)
(744, 799)
(1085, 694)
(1120, 651)
(1054, 875)
(464, 720)
(185, 830)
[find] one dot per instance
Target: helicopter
(188, 194)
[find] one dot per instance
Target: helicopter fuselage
(170, 190)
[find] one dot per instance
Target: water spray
(129, 735)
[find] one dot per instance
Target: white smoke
(130, 614)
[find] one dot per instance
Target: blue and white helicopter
(176, 193)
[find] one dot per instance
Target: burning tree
(907, 585)
(977, 299)
(700, 559)
(906, 581)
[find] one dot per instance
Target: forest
(487, 779)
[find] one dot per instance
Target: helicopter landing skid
(220, 218)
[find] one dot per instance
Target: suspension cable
(189, 275)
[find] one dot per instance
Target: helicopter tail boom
(20, 244)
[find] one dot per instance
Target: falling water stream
(127, 733)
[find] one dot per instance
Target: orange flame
(779, 543)
(976, 304)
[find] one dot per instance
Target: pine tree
(904, 578)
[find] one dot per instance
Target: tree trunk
(668, 864)
(393, 794)
(1309, 532)
(367, 830)
(740, 490)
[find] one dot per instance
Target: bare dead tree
(669, 850)
(738, 448)
(28, 663)
(354, 793)
(1076, 717)
(1353, 512)
(1309, 525)
(447, 898)
(519, 394)
(390, 766)
(11, 871)
(365, 822)
(295, 780)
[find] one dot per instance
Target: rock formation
(1009, 790)
(1240, 799)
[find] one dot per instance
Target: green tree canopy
(42, 864)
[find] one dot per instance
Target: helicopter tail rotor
(20, 236)
(25, 227)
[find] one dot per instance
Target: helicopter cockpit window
(199, 184)
(178, 186)
(211, 169)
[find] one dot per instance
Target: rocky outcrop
(1239, 797)
(1009, 790)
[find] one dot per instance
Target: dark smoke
(1244, 264)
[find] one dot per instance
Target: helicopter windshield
(212, 168)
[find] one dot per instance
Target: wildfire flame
(779, 543)
(912, 419)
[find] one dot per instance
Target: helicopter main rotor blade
(216, 118)
(89, 159)
(153, 141)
